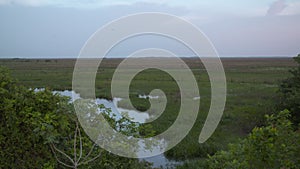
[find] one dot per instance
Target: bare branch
(85, 159)
(75, 141)
(62, 153)
(88, 161)
(90, 152)
(53, 148)
(80, 142)
(76, 162)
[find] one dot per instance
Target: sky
(60, 28)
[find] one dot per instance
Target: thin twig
(63, 153)
(53, 151)
(80, 142)
(90, 152)
(75, 140)
(85, 162)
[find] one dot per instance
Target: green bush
(34, 125)
(274, 146)
(290, 93)
(23, 113)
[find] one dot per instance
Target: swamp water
(157, 161)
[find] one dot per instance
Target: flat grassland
(252, 85)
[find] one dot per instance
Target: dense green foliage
(273, 146)
(38, 131)
(290, 90)
(276, 146)
(28, 121)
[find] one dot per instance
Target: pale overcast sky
(59, 28)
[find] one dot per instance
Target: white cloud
(277, 7)
(292, 8)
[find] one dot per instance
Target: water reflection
(159, 160)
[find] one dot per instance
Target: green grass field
(252, 85)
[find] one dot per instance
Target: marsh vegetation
(254, 91)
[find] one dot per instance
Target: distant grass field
(252, 84)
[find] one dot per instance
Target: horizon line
(122, 57)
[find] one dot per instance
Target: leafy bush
(26, 118)
(38, 131)
(290, 90)
(273, 146)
